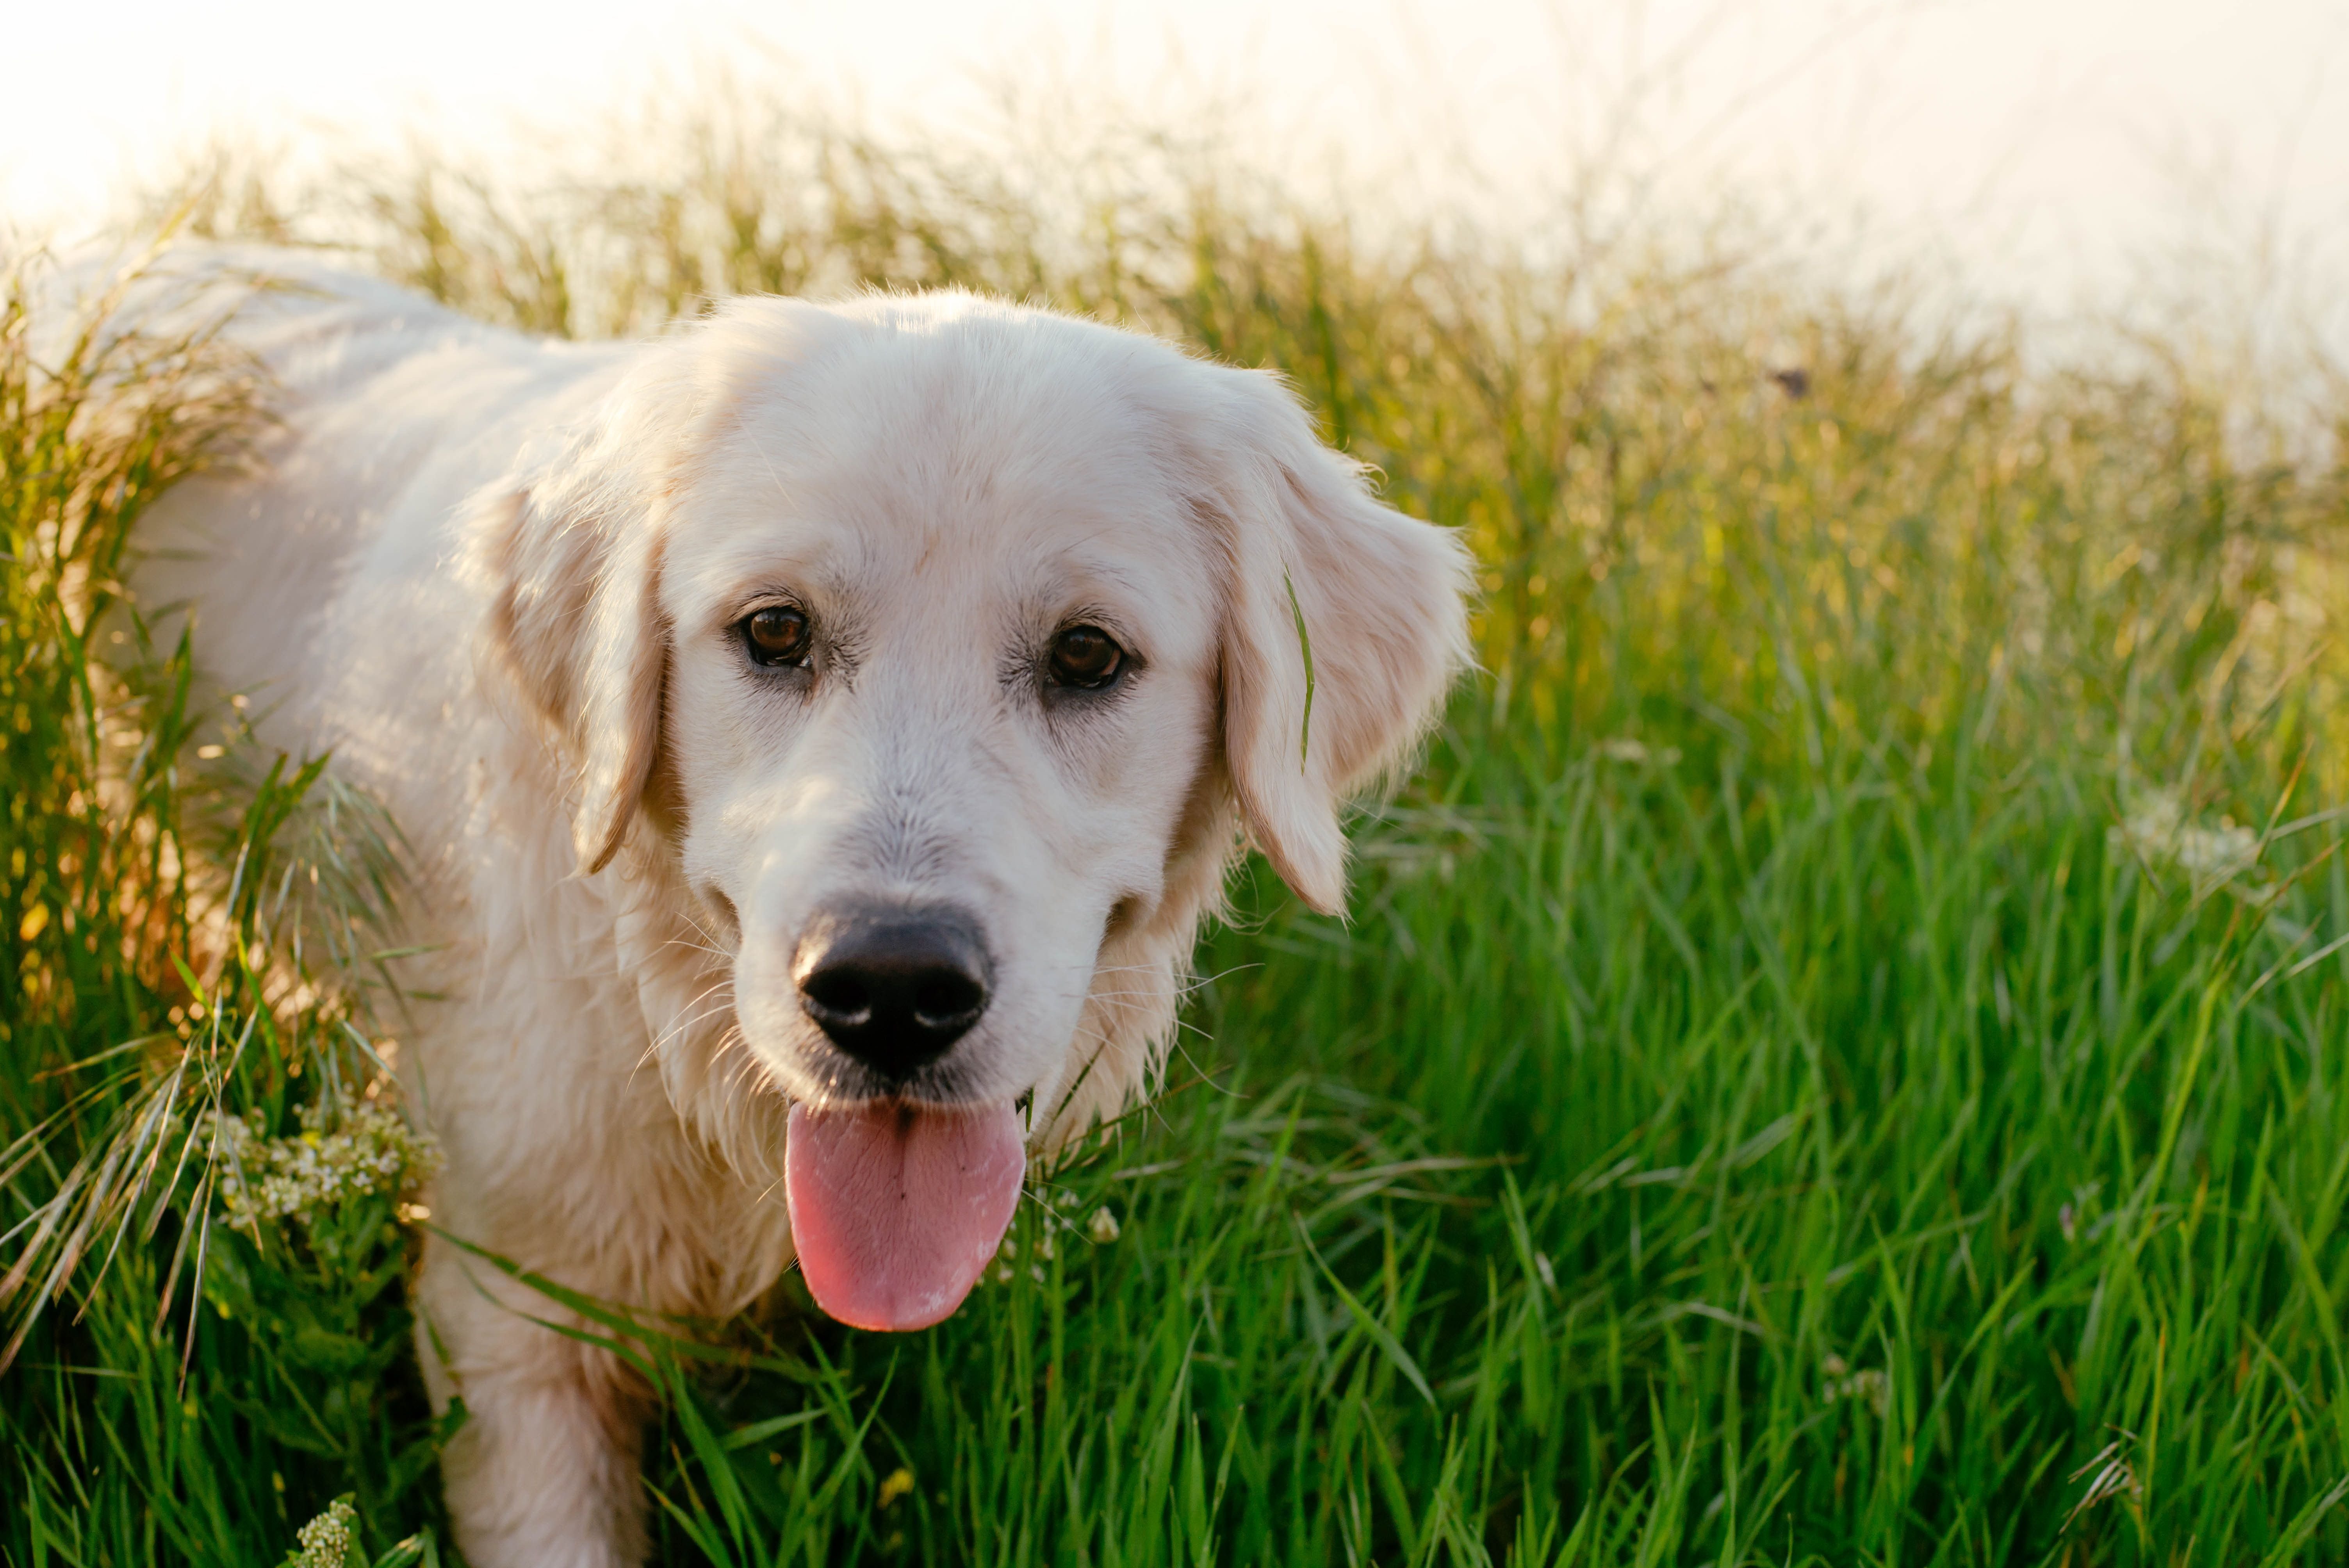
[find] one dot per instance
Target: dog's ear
(572, 548)
(1344, 623)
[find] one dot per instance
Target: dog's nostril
(894, 989)
(947, 1000)
(841, 993)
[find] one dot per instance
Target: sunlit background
(2054, 149)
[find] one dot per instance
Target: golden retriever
(821, 731)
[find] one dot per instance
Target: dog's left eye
(1086, 657)
(775, 636)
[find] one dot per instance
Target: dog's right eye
(775, 637)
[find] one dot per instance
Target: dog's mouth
(897, 1209)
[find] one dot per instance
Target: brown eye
(775, 636)
(1086, 657)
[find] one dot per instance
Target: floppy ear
(1344, 621)
(571, 545)
(574, 619)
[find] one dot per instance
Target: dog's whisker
(687, 1021)
(683, 1028)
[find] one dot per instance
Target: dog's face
(940, 644)
(941, 677)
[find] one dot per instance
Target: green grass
(1809, 1076)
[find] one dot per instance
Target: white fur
(497, 577)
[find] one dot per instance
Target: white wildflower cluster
(2159, 830)
(329, 1541)
(361, 1148)
(1870, 1384)
(1624, 748)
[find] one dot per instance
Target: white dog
(821, 731)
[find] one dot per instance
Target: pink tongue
(895, 1211)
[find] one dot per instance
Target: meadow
(1839, 1057)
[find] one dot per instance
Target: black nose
(894, 989)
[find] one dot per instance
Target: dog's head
(936, 649)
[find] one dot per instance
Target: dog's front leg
(544, 1473)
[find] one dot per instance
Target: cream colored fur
(496, 577)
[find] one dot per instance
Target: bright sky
(2047, 142)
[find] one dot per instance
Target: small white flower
(327, 1541)
(2150, 826)
(1870, 1384)
(1102, 1226)
(1624, 748)
(2156, 829)
(2220, 853)
(370, 1149)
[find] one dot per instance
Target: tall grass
(176, 1375)
(1836, 1059)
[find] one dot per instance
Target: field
(1840, 1056)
